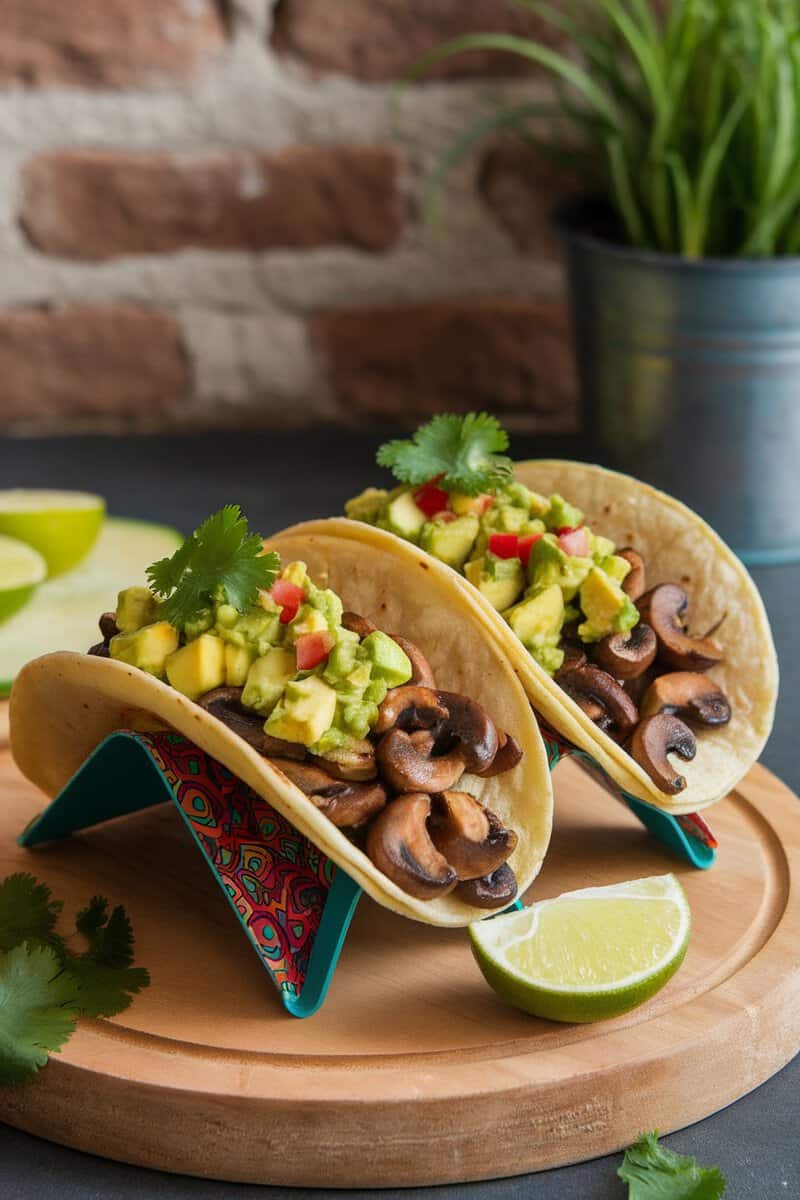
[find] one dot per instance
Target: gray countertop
(179, 480)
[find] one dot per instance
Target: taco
(591, 581)
(409, 757)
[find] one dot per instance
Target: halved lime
(21, 569)
(62, 526)
(63, 612)
(587, 955)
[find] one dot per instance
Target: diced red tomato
(430, 498)
(312, 649)
(574, 541)
(504, 545)
(483, 504)
(526, 544)
(289, 596)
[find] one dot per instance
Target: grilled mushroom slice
(421, 672)
(663, 607)
(507, 757)
(108, 626)
(347, 805)
(591, 689)
(399, 845)
(656, 737)
(574, 657)
(355, 623)
(472, 728)
(472, 839)
(408, 764)
(410, 707)
(224, 703)
(354, 761)
(633, 584)
(627, 655)
(690, 695)
(490, 891)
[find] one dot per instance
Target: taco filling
(578, 603)
(352, 716)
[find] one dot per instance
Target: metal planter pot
(690, 379)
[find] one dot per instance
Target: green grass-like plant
(687, 112)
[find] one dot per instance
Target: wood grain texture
(413, 1072)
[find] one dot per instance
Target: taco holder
(293, 903)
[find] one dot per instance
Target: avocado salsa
(350, 715)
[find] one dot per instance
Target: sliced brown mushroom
(490, 891)
(574, 657)
(688, 694)
(100, 650)
(108, 626)
(663, 607)
(421, 672)
(224, 703)
(410, 707)
(627, 655)
(472, 727)
(399, 845)
(590, 687)
(472, 839)
(507, 757)
(634, 583)
(355, 623)
(347, 805)
(354, 761)
(656, 737)
(407, 763)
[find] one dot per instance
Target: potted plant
(683, 270)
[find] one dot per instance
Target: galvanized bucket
(690, 379)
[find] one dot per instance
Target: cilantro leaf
(28, 912)
(653, 1172)
(220, 558)
(462, 453)
(37, 1010)
(105, 979)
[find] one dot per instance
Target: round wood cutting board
(413, 1072)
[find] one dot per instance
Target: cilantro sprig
(45, 986)
(222, 557)
(653, 1172)
(464, 454)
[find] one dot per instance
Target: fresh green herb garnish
(221, 557)
(462, 453)
(652, 1172)
(44, 987)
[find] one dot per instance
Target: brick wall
(210, 214)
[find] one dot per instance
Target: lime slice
(62, 526)
(21, 569)
(587, 955)
(63, 612)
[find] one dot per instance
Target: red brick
(96, 205)
(522, 187)
(82, 360)
(378, 40)
(107, 43)
(407, 361)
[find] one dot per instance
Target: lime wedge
(62, 526)
(21, 569)
(587, 955)
(63, 612)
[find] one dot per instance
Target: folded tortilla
(677, 547)
(64, 704)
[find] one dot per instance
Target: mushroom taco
(410, 758)
(591, 581)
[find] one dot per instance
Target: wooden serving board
(413, 1072)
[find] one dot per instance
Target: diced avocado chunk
(308, 620)
(198, 667)
(600, 547)
(201, 624)
(462, 504)
(508, 519)
(450, 541)
(500, 580)
(358, 717)
(305, 713)
(328, 604)
(560, 514)
(403, 517)
(548, 564)
(147, 648)
(238, 661)
(548, 656)
(367, 506)
(136, 606)
(606, 607)
(258, 628)
(615, 567)
(296, 573)
(342, 658)
(388, 661)
(267, 678)
(538, 616)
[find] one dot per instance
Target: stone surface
(95, 205)
(107, 43)
(406, 361)
(377, 40)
